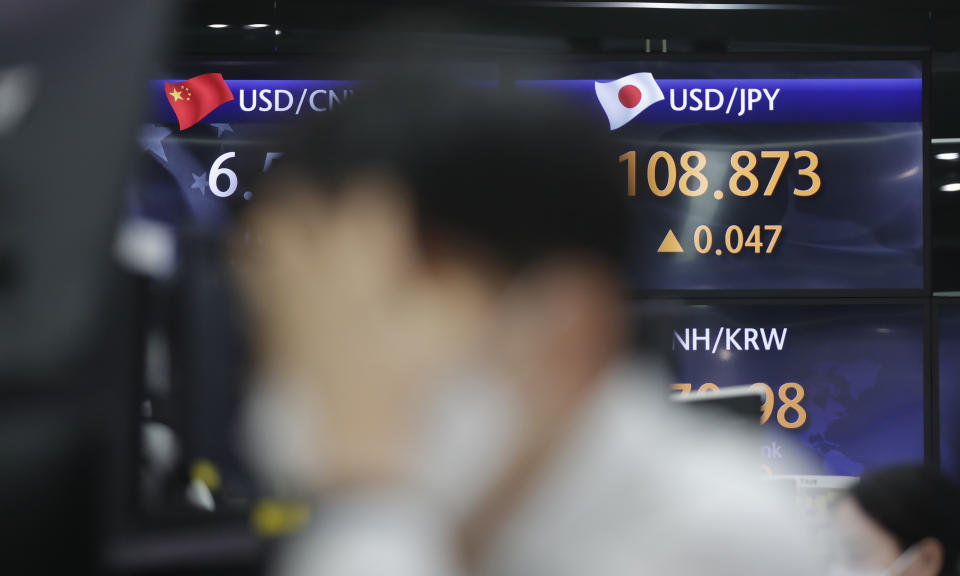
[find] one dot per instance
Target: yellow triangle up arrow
(670, 244)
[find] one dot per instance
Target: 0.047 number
(735, 240)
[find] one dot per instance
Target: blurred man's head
(428, 230)
(899, 521)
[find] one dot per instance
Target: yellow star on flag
(176, 95)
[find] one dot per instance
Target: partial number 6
(216, 171)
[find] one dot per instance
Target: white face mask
(896, 568)
(469, 439)
(277, 434)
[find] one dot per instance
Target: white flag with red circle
(623, 99)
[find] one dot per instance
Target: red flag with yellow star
(193, 99)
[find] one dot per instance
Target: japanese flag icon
(623, 99)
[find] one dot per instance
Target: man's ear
(583, 312)
(570, 315)
(929, 559)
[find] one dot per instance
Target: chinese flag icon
(193, 99)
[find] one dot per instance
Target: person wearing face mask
(435, 282)
(898, 521)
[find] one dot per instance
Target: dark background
(948, 369)
(302, 29)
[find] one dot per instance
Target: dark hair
(913, 503)
(516, 179)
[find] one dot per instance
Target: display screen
(195, 176)
(845, 382)
(738, 176)
(948, 330)
(211, 136)
(761, 175)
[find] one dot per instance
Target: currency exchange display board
(776, 175)
(785, 176)
(844, 383)
(211, 138)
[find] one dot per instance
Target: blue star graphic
(221, 128)
(199, 182)
(151, 138)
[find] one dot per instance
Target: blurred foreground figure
(899, 522)
(435, 288)
(68, 316)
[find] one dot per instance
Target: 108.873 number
(743, 183)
